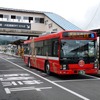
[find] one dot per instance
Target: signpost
(15, 25)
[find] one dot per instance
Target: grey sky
(79, 12)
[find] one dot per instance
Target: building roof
(20, 10)
(66, 25)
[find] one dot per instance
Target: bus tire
(47, 68)
(29, 63)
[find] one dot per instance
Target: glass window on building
(5, 17)
(1, 17)
(39, 20)
(18, 18)
(13, 18)
(26, 19)
(30, 19)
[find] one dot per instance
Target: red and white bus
(66, 52)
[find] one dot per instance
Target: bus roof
(56, 35)
(53, 35)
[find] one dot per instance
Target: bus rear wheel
(47, 68)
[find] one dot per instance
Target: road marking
(10, 75)
(6, 84)
(92, 76)
(14, 83)
(79, 80)
(43, 73)
(27, 82)
(11, 70)
(66, 89)
(16, 78)
(9, 90)
(21, 79)
(19, 82)
(11, 58)
(30, 82)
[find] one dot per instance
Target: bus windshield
(77, 48)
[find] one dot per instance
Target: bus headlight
(96, 63)
(64, 67)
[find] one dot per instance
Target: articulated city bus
(66, 52)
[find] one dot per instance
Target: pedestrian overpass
(20, 32)
(31, 23)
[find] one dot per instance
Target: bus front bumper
(82, 71)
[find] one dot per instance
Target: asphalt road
(18, 82)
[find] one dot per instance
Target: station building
(29, 22)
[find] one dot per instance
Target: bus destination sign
(78, 35)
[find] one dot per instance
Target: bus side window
(26, 49)
(55, 48)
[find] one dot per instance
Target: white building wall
(51, 26)
(47, 26)
(38, 27)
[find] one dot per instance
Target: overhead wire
(93, 16)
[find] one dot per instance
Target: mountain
(7, 39)
(11, 38)
(4, 42)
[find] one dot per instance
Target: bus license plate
(82, 72)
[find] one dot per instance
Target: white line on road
(19, 82)
(10, 58)
(9, 90)
(92, 76)
(16, 78)
(66, 89)
(6, 84)
(58, 81)
(14, 83)
(11, 70)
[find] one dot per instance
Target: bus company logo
(81, 63)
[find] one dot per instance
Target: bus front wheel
(47, 68)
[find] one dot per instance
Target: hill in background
(4, 40)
